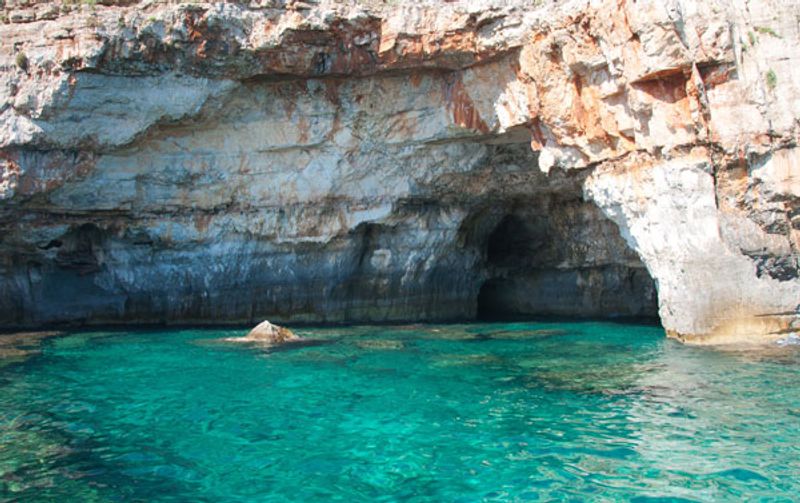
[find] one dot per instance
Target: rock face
(225, 162)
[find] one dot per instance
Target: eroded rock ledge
(227, 162)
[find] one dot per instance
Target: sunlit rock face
(323, 162)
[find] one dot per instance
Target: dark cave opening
(560, 258)
(491, 306)
(510, 246)
(81, 249)
(513, 241)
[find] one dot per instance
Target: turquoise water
(493, 412)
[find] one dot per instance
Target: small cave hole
(82, 249)
(55, 243)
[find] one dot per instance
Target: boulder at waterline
(267, 333)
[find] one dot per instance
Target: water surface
(480, 412)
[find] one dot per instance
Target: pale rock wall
(691, 123)
(327, 162)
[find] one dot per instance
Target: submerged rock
(267, 333)
(789, 340)
(380, 344)
(18, 346)
(520, 334)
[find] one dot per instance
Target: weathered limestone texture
(321, 161)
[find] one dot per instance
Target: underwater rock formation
(320, 161)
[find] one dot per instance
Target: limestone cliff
(303, 161)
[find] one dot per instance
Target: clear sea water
(477, 412)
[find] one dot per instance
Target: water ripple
(503, 412)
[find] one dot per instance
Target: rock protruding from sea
(267, 333)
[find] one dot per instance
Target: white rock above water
(267, 333)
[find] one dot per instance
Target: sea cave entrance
(559, 257)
